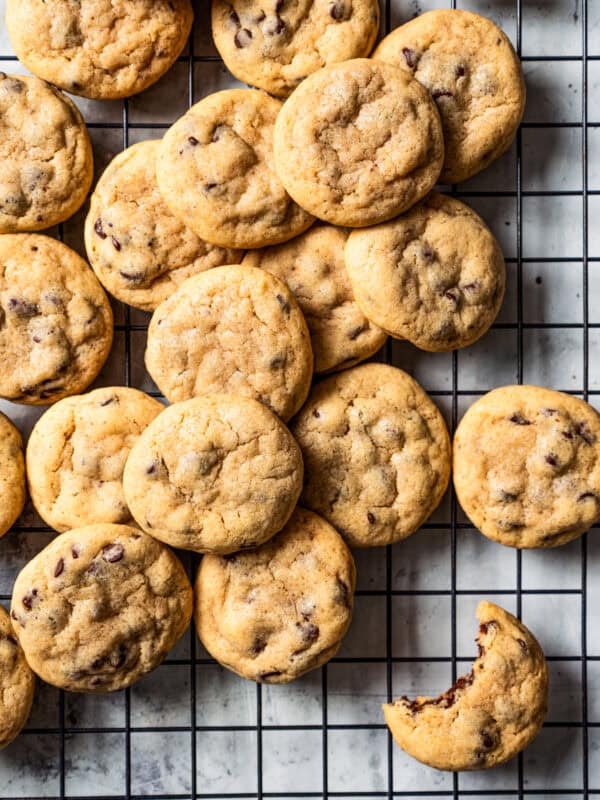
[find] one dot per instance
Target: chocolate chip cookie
(312, 266)
(216, 173)
(17, 681)
(140, 252)
(475, 78)
(275, 44)
(358, 143)
(214, 474)
(527, 466)
(46, 162)
(273, 613)
(434, 275)
(103, 49)
(487, 716)
(376, 454)
(76, 455)
(236, 330)
(99, 607)
(12, 475)
(56, 325)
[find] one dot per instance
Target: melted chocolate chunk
(371, 518)
(99, 229)
(551, 459)
(107, 402)
(75, 551)
(451, 295)
(588, 496)
(459, 71)
(119, 658)
(342, 592)
(233, 16)
(208, 187)
(310, 632)
(133, 277)
(193, 141)
(242, 38)
(337, 10)
(582, 430)
(487, 740)
(116, 243)
(29, 598)
(285, 306)
(278, 362)
(316, 414)
(22, 308)
(519, 419)
(113, 552)
(59, 568)
(523, 645)
(410, 57)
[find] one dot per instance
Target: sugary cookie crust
(236, 330)
(216, 173)
(527, 466)
(99, 607)
(46, 162)
(104, 49)
(474, 76)
(376, 454)
(140, 252)
(434, 276)
(487, 716)
(214, 474)
(358, 143)
(76, 455)
(56, 323)
(275, 44)
(312, 266)
(273, 613)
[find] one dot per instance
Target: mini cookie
(216, 173)
(140, 252)
(376, 454)
(358, 143)
(312, 266)
(17, 681)
(474, 76)
(77, 452)
(99, 607)
(97, 48)
(527, 466)
(434, 276)
(278, 611)
(12, 476)
(487, 716)
(236, 330)
(214, 474)
(46, 162)
(56, 323)
(275, 44)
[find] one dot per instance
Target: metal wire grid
(128, 327)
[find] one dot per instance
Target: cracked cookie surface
(358, 143)
(140, 252)
(434, 276)
(104, 49)
(56, 324)
(312, 266)
(214, 474)
(17, 683)
(473, 73)
(76, 455)
(99, 607)
(12, 474)
(236, 330)
(487, 716)
(46, 162)
(274, 44)
(273, 613)
(376, 454)
(216, 172)
(527, 466)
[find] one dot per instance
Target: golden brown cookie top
(17, 681)
(487, 716)
(473, 73)
(275, 612)
(527, 466)
(103, 49)
(358, 143)
(12, 474)
(99, 607)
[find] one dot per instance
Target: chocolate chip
(487, 740)
(523, 645)
(116, 243)
(192, 139)
(99, 229)
(582, 430)
(119, 658)
(508, 497)
(260, 16)
(275, 26)
(567, 434)
(264, 676)
(285, 306)
(278, 362)
(258, 645)
(453, 296)
(15, 85)
(75, 551)
(316, 414)
(133, 277)
(588, 496)
(343, 592)
(337, 10)
(485, 627)
(437, 93)
(427, 253)
(22, 308)
(151, 469)
(459, 71)
(108, 402)
(208, 187)
(519, 419)
(548, 412)
(96, 681)
(551, 459)
(93, 568)
(310, 632)
(99, 662)
(279, 5)
(11, 639)
(354, 334)
(233, 16)
(113, 552)
(409, 56)
(371, 517)
(29, 598)
(59, 568)
(242, 38)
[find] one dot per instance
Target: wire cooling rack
(193, 730)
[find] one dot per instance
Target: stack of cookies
(273, 235)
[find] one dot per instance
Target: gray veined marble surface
(236, 721)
